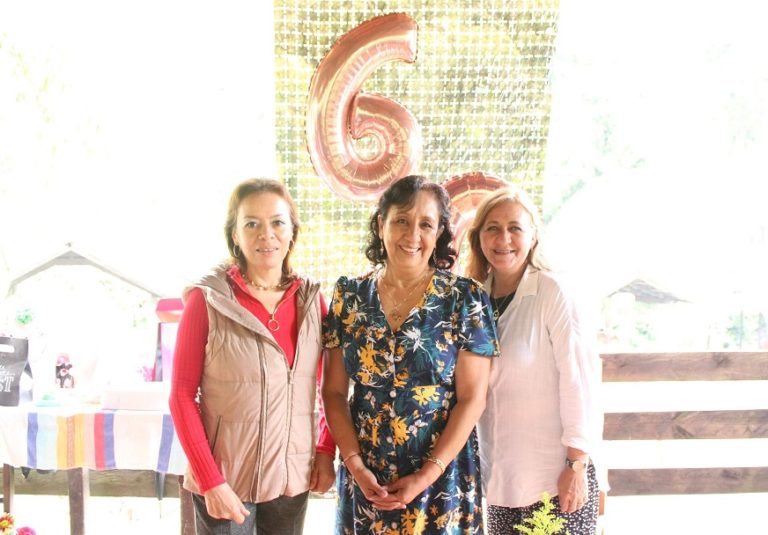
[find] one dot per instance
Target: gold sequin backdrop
(479, 89)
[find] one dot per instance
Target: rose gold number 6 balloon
(340, 113)
(466, 191)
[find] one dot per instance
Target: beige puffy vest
(258, 414)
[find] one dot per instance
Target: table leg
(187, 510)
(160, 485)
(79, 490)
(7, 487)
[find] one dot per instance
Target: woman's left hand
(572, 490)
(323, 473)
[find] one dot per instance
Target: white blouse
(542, 396)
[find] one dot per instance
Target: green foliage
(746, 330)
(24, 317)
(542, 521)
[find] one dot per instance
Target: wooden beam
(684, 425)
(78, 495)
(187, 510)
(139, 483)
(685, 366)
(641, 482)
(8, 488)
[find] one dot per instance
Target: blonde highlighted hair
(478, 266)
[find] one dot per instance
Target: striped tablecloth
(60, 438)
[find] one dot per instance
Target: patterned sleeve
(332, 326)
(477, 330)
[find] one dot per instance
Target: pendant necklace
(396, 316)
(498, 309)
(272, 323)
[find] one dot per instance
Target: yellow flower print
(431, 289)
(442, 520)
(364, 376)
(448, 521)
(401, 379)
(448, 335)
(399, 430)
(349, 320)
(424, 394)
(414, 523)
(453, 521)
(366, 355)
(337, 304)
(371, 424)
(441, 347)
(375, 435)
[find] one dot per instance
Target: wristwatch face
(576, 466)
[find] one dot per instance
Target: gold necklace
(396, 316)
(504, 302)
(279, 286)
(272, 323)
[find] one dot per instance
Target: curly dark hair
(402, 193)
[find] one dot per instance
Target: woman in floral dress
(414, 339)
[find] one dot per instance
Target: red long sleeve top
(189, 355)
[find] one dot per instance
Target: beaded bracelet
(348, 457)
(440, 464)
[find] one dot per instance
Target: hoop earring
(382, 250)
(434, 257)
(236, 250)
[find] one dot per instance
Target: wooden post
(187, 509)
(7, 487)
(79, 490)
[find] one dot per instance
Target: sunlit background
(640, 128)
(123, 127)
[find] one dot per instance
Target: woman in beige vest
(245, 376)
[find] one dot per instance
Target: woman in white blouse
(541, 422)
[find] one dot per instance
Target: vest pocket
(212, 440)
(237, 455)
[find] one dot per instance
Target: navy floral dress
(404, 390)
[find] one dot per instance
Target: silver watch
(577, 465)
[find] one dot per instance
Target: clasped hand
(396, 495)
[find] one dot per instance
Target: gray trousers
(281, 516)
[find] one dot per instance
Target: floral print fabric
(404, 390)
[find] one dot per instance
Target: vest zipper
(255, 485)
(307, 302)
(288, 421)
